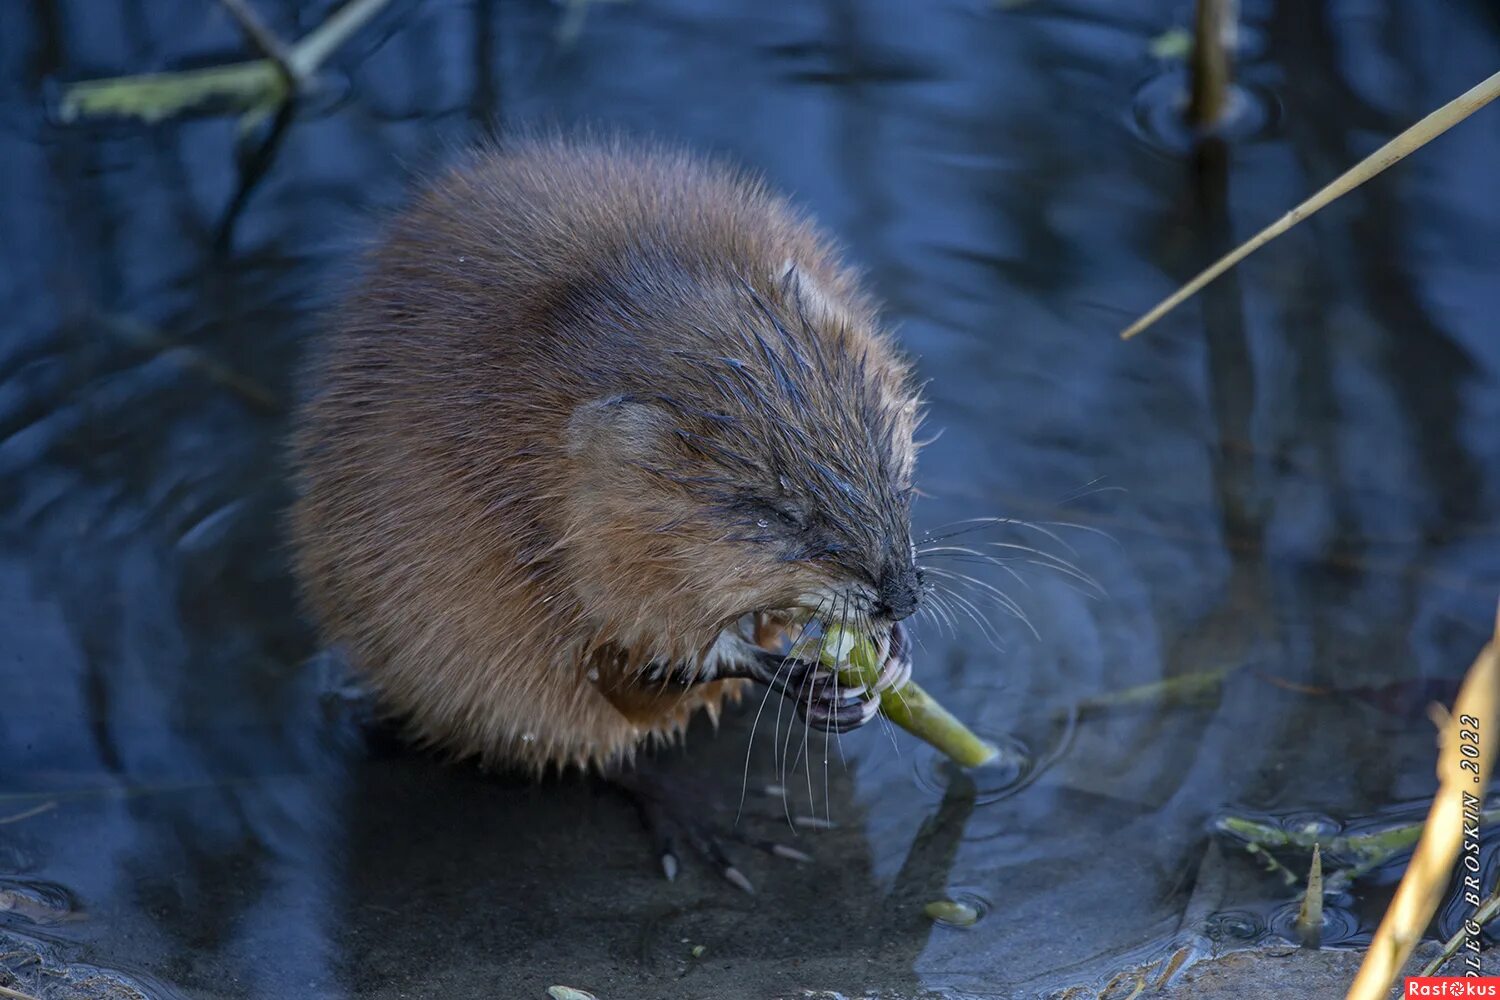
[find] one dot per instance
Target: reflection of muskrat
(592, 406)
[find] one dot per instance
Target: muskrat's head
(767, 467)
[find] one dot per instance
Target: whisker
(1091, 529)
(969, 525)
(1053, 561)
(827, 727)
(934, 550)
(1088, 489)
(989, 589)
(750, 745)
(1095, 588)
(940, 606)
(802, 750)
(969, 608)
(776, 735)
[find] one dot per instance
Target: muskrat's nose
(898, 594)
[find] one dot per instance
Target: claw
(814, 823)
(667, 822)
(737, 878)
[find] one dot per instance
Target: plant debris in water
(948, 911)
(1310, 915)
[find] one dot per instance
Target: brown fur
(532, 433)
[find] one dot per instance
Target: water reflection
(1300, 469)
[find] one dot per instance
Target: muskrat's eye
(785, 513)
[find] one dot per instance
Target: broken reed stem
(269, 43)
(1310, 915)
(1426, 878)
(1397, 149)
(320, 43)
(1209, 65)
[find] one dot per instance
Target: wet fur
(592, 402)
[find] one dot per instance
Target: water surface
(1292, 482)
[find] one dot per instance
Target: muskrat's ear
(815, 304)
(615, 428)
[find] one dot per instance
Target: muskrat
(594, 403)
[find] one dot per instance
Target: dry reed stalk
(1397, 149)
(1463, 770)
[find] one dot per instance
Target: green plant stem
(855, 660)
(256, 87)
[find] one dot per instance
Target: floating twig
(1397, 149)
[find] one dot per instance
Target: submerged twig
(1184, 689)
(194, 360)
(1274, 867)
(28, 813)
(1376, 845)
(1392, 152)
(1462, 766)
(1364, 851)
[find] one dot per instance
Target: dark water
(1293, 481)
